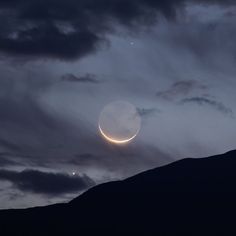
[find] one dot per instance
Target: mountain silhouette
(187, 197)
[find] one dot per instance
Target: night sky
(62, 61)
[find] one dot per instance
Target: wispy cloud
(180, 88)
(147, 111)
(88, 78)
(4, 161)
(212, 103)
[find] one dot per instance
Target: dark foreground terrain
(188, 197)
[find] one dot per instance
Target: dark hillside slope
(188, 197)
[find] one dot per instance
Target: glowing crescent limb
(115, 140)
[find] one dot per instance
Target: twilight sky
(62, 61)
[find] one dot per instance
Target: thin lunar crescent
(119, 122)
(115, 140)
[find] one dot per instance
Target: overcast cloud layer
(63, 61)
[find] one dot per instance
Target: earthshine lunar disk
(119, 122)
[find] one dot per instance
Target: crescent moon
(113, 140)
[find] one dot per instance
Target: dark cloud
(65, 29)
(180, 88)
(88, 78)
(206, 101)
(46, 183)
(70, 29)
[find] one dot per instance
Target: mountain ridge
(187, 197)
